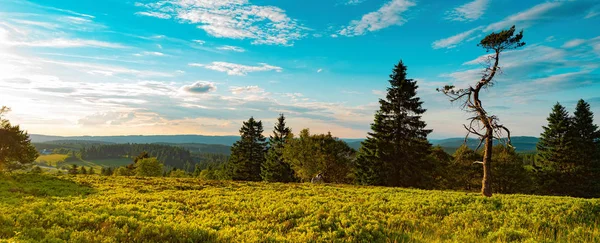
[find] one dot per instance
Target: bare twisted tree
(482, 124)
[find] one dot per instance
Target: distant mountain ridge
(221, 140)
(198, 142)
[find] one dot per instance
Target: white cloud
(544, 12)
(319, 70)
(201, 42)
(150, 53)
(469, 12)
(231, 48)
(353, 2)
(541, 13)
(573, 43)
(389, 14)
(154, 14)
(246, 89)
(237, 69)
(200, 87)
(64, 43)
(453, 41)
(235, 19)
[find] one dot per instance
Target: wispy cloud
(237, 69)
(390, 14)
(246, 89)
(154, 14)
(353, 2)
(236, 19)
(469, 12)
(538, 14)
(541, 13)
(65, 43)
(231, 48)
(150, 53)
(452, 41)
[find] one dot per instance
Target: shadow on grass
(17, 185)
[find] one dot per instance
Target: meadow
(92, 208)
(63, 160)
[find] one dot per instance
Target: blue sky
(203, 66)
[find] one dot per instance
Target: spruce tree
(275, 169)
(248, 154)
(585, 155)
(396, 152)
(554, 152)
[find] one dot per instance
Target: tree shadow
(17, 185)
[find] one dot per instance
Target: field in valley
(121, 209)
(62, 160)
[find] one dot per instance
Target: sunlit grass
(122, 209)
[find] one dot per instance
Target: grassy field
(52, 159)
(61, 160)
(119, 209)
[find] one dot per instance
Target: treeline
(397, 153)
(171, 156)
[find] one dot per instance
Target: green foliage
(510, 175)
(36, 208)
(248, 154)
(15, 145)
(309, 155)
(275, 169)
(178, 174)
(503, 40)
(555, 152)
(395, 152)
(122, 171)
(149, 167)
(73, 170)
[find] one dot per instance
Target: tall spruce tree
(554, 152)
(248, 154)
(275, 169)
(396, 152)
(585, 152)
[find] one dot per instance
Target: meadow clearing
(63, 160)
(93, 208)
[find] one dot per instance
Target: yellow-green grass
(126, 209)
(52, 159)
(61, 160)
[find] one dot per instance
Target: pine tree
(91, 171)
(585, 145)
(83, 170)
(275, 169)
(554, 151)
(396, 152)
(248, 154)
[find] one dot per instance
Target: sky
(114, 67)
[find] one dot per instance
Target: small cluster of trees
(287, 159)
(568, 157)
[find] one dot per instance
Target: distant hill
(222, 140)
(221, 144)
(522, 144)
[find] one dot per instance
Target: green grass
(61, 160)
(37, 208)
(52, 159)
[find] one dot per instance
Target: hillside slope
(121, 209)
